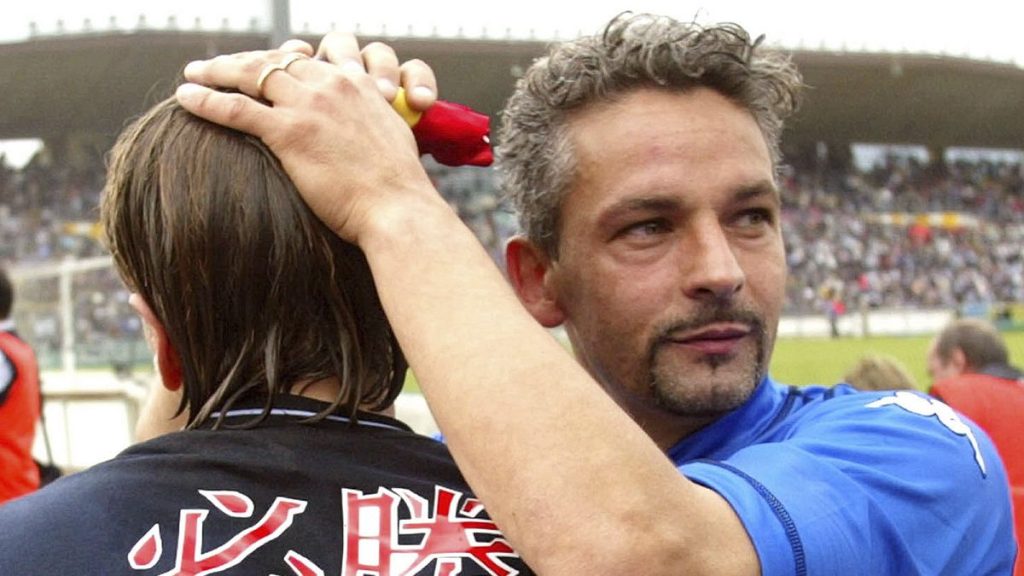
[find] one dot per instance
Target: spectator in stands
(271, 328)
(970, 369)
(833, 229)
(876, 372)
(642, 164)
(19, 403)
(835, 308)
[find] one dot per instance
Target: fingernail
(387, 88)
(352, 67)
(187, 91)
(422, 92)
(193, 67)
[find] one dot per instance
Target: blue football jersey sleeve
(892, 483)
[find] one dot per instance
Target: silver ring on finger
(269, 69)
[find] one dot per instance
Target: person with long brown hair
(269, 330)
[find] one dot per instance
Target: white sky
(985, 29)
(992, 29)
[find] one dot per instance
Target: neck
(665, 428)
(327, 390)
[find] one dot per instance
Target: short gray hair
(535, 159)
(980, 341)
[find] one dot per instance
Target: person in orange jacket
(970, 369)
(19, 403)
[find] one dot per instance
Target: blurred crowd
(47, 210)
(48, 214)
(844, 253)
(969, 255)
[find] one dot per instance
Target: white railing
(91, 416)
(891, 322)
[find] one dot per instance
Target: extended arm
(574, 483)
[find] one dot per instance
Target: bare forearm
(553, 458)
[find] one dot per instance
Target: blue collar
(735, 430)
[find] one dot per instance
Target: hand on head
(328, 119)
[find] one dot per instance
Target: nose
(712, 270)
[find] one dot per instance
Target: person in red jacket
(19, 403)
(970, 369)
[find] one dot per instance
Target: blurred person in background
(969, 365)
(642, 163)
(20, 403)
(874, 372)
(268, 332)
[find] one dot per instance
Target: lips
(716, 339)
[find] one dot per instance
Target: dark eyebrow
(651, 203)
(644, 204)
(666, 204)
(764, 187)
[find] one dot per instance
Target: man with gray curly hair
(643, 163)
(535, 156)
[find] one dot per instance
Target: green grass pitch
(825, 361)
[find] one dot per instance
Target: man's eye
(756, 217)
(646, 228)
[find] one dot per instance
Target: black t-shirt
(283, 498)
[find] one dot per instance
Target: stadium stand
(907, 235)
(871, 235)
(900, 234)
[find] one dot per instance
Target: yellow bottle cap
(401, 106)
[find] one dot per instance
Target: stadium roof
(90, 83)
(979, 29)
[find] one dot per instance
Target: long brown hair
(255, 293)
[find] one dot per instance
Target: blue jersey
(837, 481)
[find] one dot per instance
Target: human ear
(958, 360)
(531, 274)
(168, 363)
